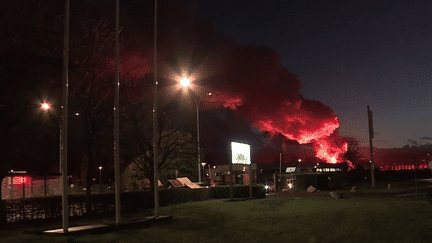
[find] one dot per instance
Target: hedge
(239, 191)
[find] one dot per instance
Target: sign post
(240, 154)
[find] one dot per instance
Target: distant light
(266, 187)
(100, 167)
(18, 171)
(185, 82)
(77, 114)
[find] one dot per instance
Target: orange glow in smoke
(304, 121)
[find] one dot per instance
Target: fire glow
(254, 83)
(305, 123)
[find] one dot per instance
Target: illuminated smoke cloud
(268, 96)
(250, 80)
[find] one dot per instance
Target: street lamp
(203, 168)
(316, 175)
(214, 170)
(100, 176)
(186, 83)
(299, 161)
(45, 106)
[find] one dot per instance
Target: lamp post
(316, 174)
(186, 83)
(299, 161)
(203, 168)
(214, 171)
(100, 176)
(46, 107)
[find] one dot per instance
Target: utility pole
(371, 136)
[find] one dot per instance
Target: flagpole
(64, 128)
(155, 115)
(116, 117)
(415, 174)
(371, 135)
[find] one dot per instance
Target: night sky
(348, 55)
(279, 70)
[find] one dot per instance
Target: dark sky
(348, 54)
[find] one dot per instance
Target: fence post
(2, 204)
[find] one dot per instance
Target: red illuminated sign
(19, 180)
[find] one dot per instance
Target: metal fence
(30, 209)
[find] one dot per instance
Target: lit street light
(45, 106)
(100, 176)
(186, 83)
(203, 168)
(299, 161)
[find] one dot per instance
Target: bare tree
(176, 147)
(352, 154)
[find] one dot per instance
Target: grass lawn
(273, 219)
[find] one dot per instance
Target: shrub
(239, 191)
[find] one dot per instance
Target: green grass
(281, 219)
(381, 188)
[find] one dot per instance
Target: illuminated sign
(240, 153)
(290, 169)
(19, 180)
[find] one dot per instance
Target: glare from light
(45, 106)
(185, 82)
(290, 185)
(266, 187)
